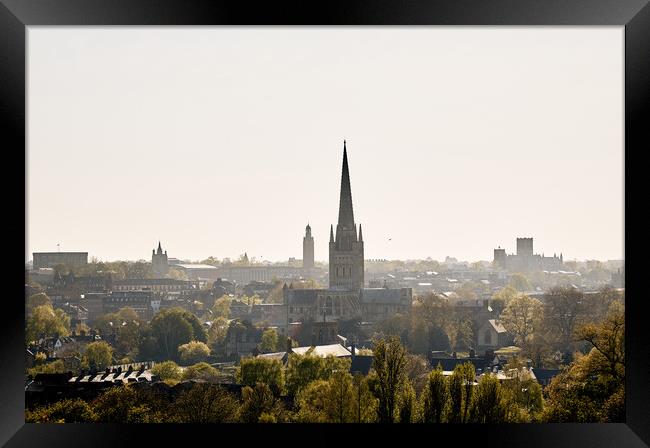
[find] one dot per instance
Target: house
(544, 376)
(493, 335)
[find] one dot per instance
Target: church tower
(346, 249)
(159, 263)
(308, 249)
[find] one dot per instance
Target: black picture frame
(634, 15)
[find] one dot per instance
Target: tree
(47, 322)
(257, 401)
(608, 338)
(389, 365)
(489, 403)
(311, 402)
(304, 369)
(435, 397)
(519, 282)
(407, 404)
(36, 300)
(113, 405)
(336, 400)
(340, 402)
(63, 411)
(167, 371)
(522, 317)
(269, 341)
(501, 298)
(261, 370)
(563, 311)
(461, 389)
(592, 387)
(51, 367)
(206, 403)
(221, 307)
(201, 371)
(365, 403)
(98, 355)
(218, 331)
(171, 329)
(193, 352)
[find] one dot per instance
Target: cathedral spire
(346, 216)
(331, 233)
(159, 248)
(360, 233)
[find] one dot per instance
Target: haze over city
(223, 141)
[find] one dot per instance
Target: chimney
(453, 355)
(472, 353)
(353, 350)
(289, 347)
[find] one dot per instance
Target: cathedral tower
(308, 249)
(159, 263)
(346, 249)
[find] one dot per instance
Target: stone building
(308, 249)
(346, 298)
(525, 259)
(346, 248)
(159, 262)
(52, 259)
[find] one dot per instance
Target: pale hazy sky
(220, 140)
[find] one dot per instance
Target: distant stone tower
(346, 250)
(308, 249)
(159, 264)
(525, 247)
(500, 258)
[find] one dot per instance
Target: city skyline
(197, 179)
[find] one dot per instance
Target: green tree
(193, 352)
(592, 387)
(303, 369)
(51, 367)
(206, 403)
(257, 401)
(269, 341)
(170, 328)
(47, 322)
(221, 307)
(63, 411)
(98, 355)
(435, 397)
(488, 405)
(167, 371)
(311, 402)
(407, 404)
(365, 403)
(461, 390)
(36, 300)
(113, 405)
(261, 370)
(201, 371)
(340, 403)
(608, 339)
(389, 365)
